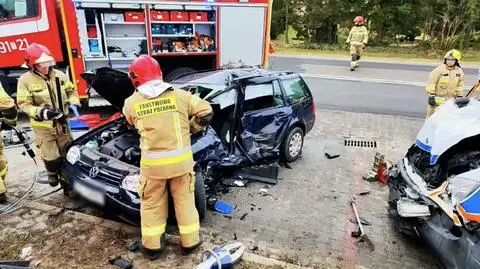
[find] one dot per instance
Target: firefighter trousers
(356, 51)
(3, 169)
(51, 142)
(154, 209)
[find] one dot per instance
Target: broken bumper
(102, 194)
(407, 190)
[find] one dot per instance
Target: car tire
(292, 145)
(200, 195)
(178, 72)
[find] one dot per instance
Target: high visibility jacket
(358, 36)
(446, 82)
(165, 124)
(36, 91)
(8, 111)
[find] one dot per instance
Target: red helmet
(359, 20)
(38, 54)
(144, 69)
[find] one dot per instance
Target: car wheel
(175, 73)
(200, 195)
(292, 145)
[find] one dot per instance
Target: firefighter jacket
(165, 123)
(446, 82)
(358, 35)
(36, 91)
(8, 111)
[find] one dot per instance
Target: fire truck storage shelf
(111, 29)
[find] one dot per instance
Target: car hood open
(113, 85)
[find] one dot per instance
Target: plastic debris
(224, 208)
(334, 156)
(26, 253)
(121, 262)
(264, 192)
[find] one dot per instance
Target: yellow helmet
(453, 55)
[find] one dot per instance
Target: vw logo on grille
(94, 171)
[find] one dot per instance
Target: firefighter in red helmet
(165, 117)
(47, 105)
(357, 39)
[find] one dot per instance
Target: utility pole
(286, 22)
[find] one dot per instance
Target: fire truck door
(242, 34)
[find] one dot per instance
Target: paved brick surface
(305, 219)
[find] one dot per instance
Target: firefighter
(47, 105)
(357, 39)
(165, 117)
(8, 112)
(445, 82)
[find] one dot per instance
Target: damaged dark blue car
(259, 117)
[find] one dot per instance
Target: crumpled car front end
(434, 191)
(102, 166)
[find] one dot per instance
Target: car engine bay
(120, 141)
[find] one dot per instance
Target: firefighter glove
(431, 100)
(49, 114)
(74, 108)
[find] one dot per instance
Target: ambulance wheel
(177, 72)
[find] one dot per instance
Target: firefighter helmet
(453, 55)
(38, 54)
(144, 69)
(359, 20)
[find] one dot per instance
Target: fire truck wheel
(175, 73)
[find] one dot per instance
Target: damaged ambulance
(434, 191)
(259, 116)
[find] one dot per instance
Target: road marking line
(373, 80)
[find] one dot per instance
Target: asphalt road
(376, 87)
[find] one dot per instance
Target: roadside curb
(110, 224)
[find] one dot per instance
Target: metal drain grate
(360, 143)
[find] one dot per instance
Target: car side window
(279, 101)
(295, 89)
(258, 97)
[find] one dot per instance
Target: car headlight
(460, 187)
(130, 182)
(73, 155)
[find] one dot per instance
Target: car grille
(107, 175)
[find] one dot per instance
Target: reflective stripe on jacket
(165, 125)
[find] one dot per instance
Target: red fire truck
(183, 35)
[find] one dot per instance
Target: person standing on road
(165, 117)
(445, 82)
(357, 39)
(45, 95)
(8, 112)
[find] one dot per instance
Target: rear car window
(258, 97)
(17, 9)
(295, 89)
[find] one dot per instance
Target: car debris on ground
(121, 262)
